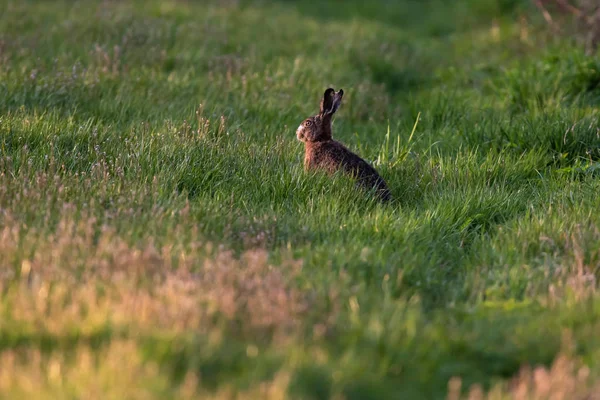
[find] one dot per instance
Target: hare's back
(329, 156)
(333, 156)
(365, 173)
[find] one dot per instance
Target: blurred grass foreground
(159, 237)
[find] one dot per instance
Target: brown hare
(322, 152)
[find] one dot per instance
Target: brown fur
(322, 152)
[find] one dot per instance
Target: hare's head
(318, 128)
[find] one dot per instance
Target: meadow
(159, 237)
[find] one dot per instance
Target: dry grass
(84, 277)
(585, 12)
(116, 372)
(577, 281)
(566, 379)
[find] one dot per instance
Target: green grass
(159, 237)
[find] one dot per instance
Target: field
(159, 237)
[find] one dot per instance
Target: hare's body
(332, 156)
(324, 153)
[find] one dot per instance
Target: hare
(322, 152)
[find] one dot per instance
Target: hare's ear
(327, 102)
(337, 100)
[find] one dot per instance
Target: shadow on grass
(401, 73)
(434, 18)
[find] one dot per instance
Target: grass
(159, 237)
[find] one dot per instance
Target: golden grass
(85, 276)
(116, 372)
(566, 379)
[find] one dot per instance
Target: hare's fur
(324, 153)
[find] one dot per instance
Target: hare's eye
(308, 123)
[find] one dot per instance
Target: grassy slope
(154, 215)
